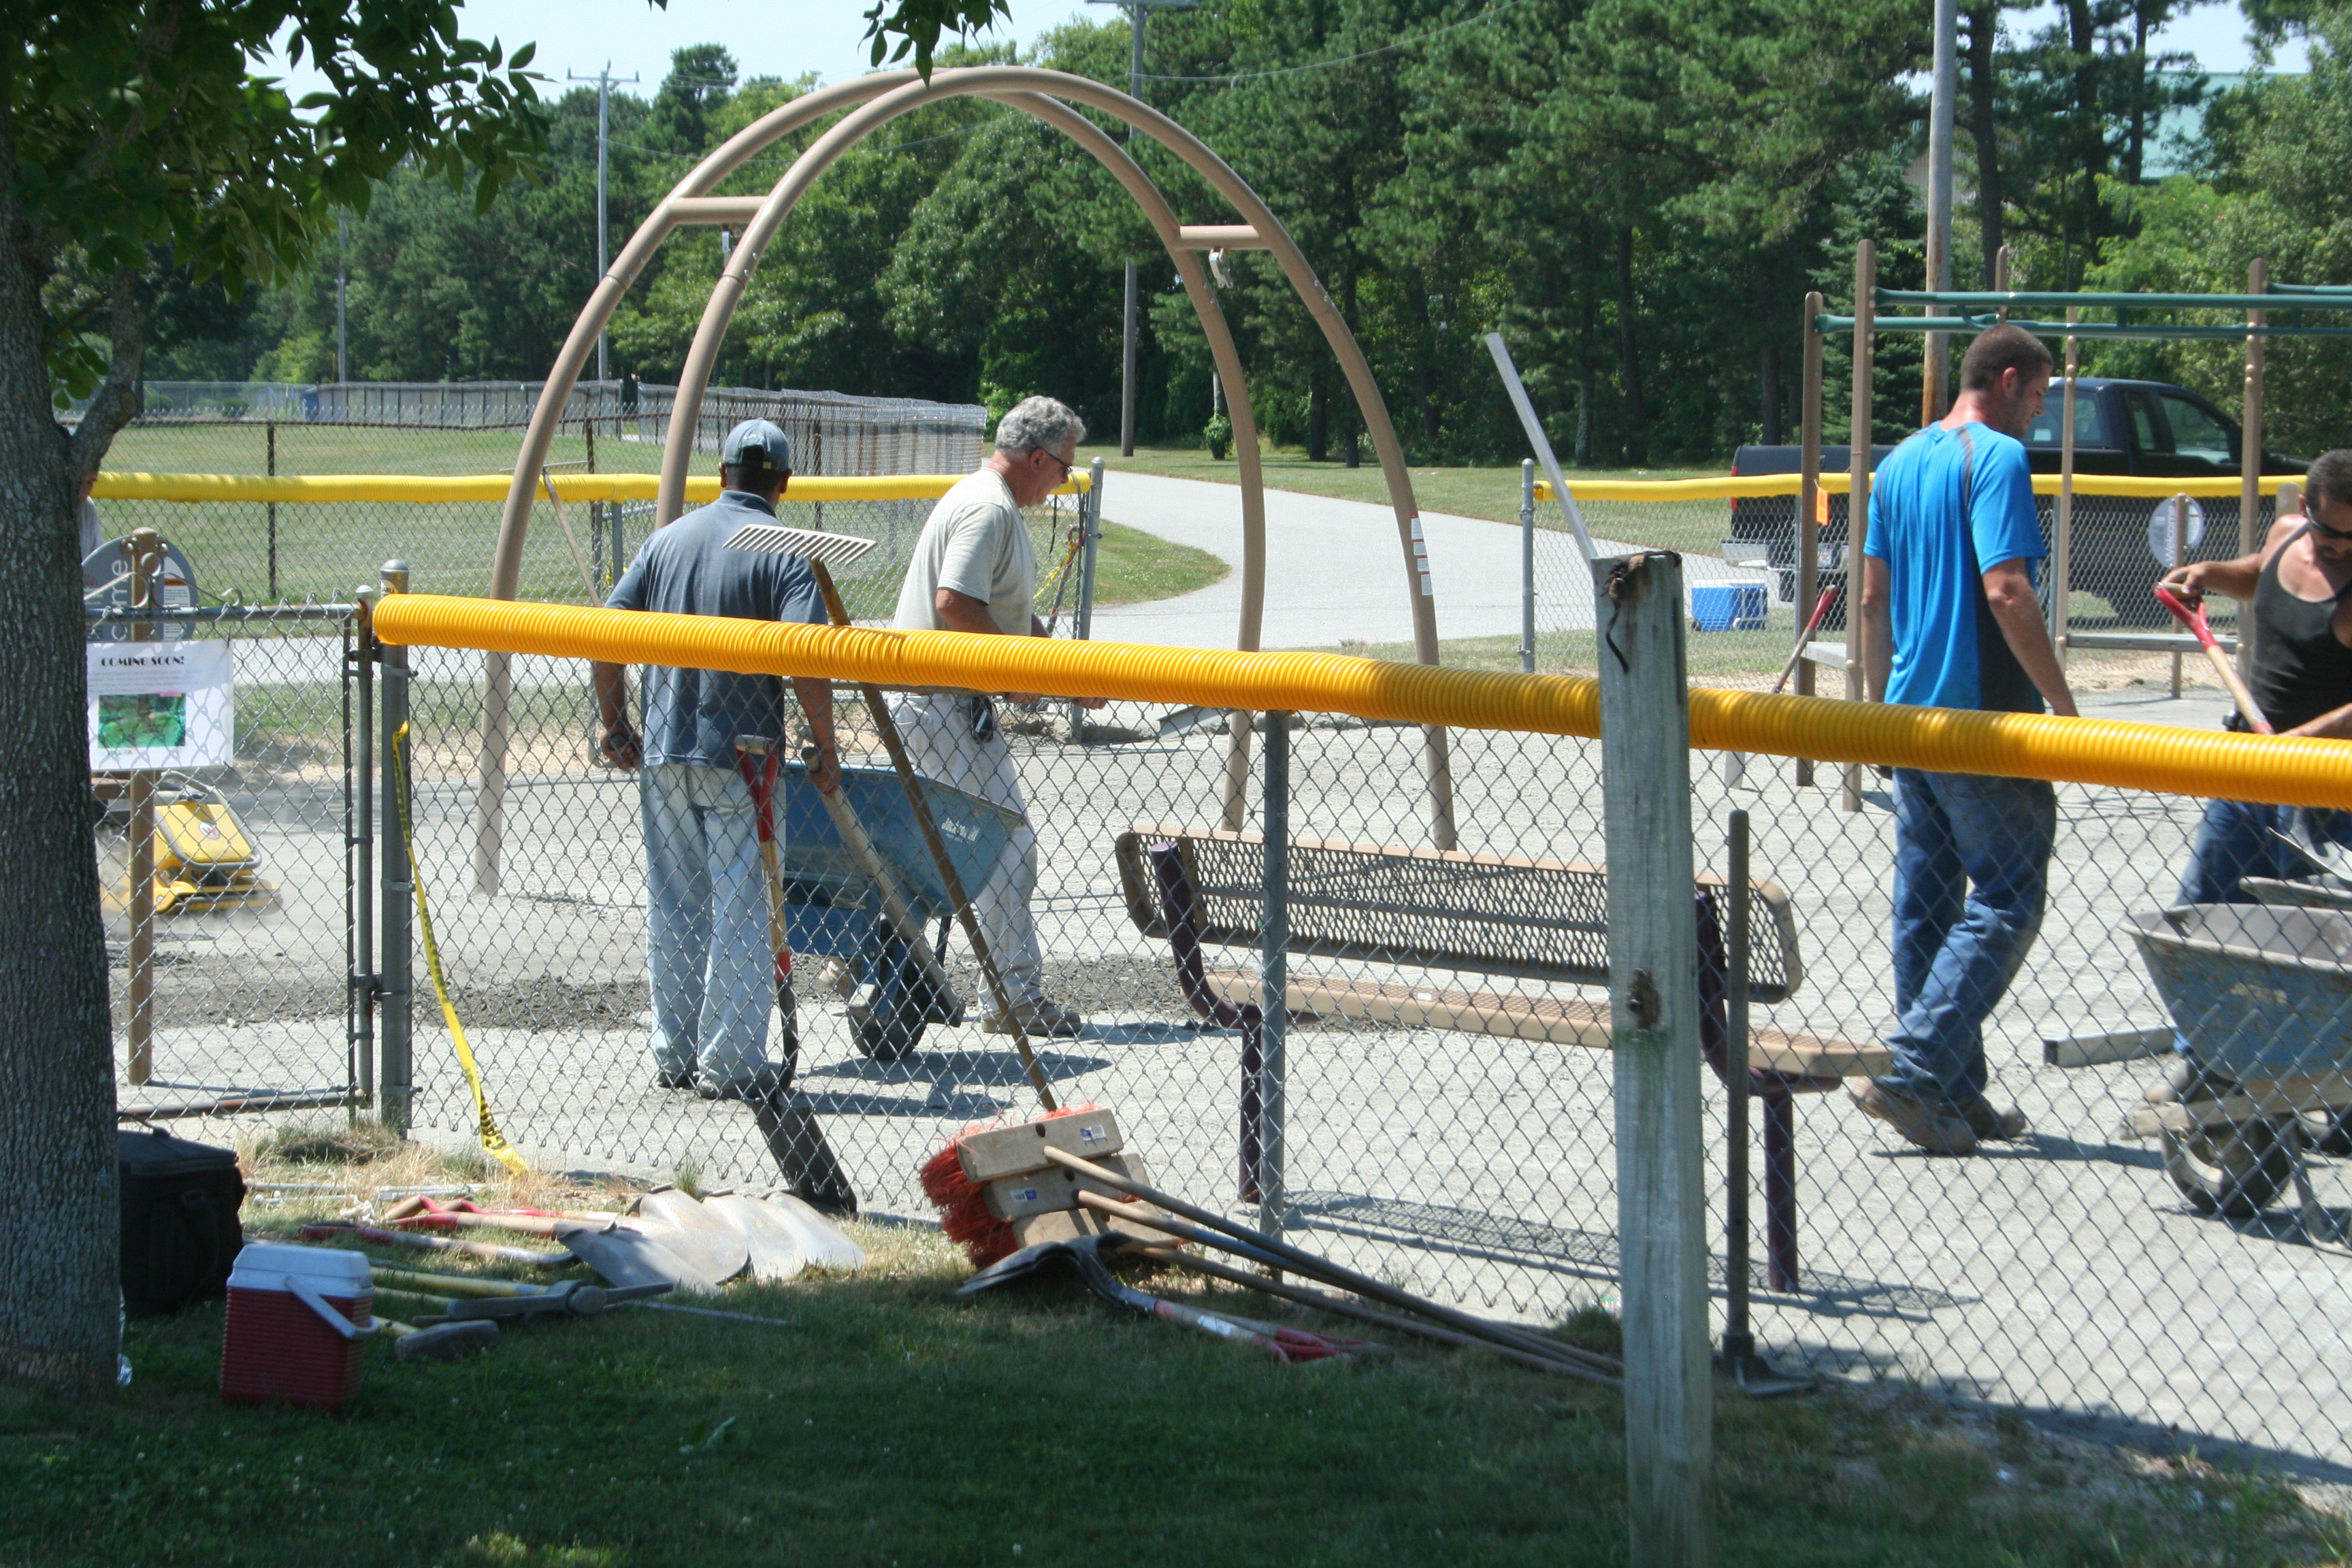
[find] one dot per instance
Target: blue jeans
(1972, 875)
(2239, 840)
(707, 952)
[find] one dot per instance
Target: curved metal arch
(880, 99)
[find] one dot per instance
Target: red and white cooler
(299, 1318)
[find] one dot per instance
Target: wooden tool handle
(2193, 617)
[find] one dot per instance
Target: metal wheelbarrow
(2264, 994)
(832, 907)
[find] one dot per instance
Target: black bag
(180, 1229)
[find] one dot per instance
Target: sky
(788, 37)
(778, 37)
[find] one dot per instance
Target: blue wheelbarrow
(2264, 994)
(834, 907)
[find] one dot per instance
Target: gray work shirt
(694, 715)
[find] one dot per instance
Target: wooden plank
(1653, 1007)
(1069, 1225)
(1555, 1020)
(1052, 1187)
(1010, 1150)
(2103, 1047)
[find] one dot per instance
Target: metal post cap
(396, 577)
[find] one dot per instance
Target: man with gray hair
(974, 571)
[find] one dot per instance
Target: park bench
(1496, 915)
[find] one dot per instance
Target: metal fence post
(146, 568)
(398, 1087)
(1527, 565)
(365, 981)
(1082, 619)
(1654, 1019)
(1274, 975)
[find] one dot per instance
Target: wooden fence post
(1653, 1013)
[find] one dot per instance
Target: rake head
(809, 544)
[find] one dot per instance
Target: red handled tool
(1820, 608)
(2193, 617)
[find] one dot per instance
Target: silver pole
(603, 79)
(359, 880)
(398, 1087)
(1527, 565)
(342, 270)
(1274, 975)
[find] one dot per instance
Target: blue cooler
(1727, 607)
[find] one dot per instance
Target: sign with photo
(156, 705)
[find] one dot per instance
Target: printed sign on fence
(159, 705)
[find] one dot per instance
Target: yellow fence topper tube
(2267, 770)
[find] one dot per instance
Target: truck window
(2196, 434)
(2145, 438)
(2090, 430)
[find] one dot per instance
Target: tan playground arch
(873, 101)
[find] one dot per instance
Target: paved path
(1334, 571)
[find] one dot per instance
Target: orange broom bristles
(963, 1204)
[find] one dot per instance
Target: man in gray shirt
(707, 952)
(973, 570)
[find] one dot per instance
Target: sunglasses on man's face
(2341, 535)
(1072, 461)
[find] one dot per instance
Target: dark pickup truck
(2147, 429)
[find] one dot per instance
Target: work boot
(1039, 1019)
(2185, 1079)
(669, 1077)
(1938, 1128)
(1991, 1123)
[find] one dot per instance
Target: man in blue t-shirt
(707, 953)
(1952, 621)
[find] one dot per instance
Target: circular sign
(2159, 531)
(106, 585)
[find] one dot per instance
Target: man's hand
(823, 767)
(620, 745)
(2187, 583)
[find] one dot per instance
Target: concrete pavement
(1335, 572)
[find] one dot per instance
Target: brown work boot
(1931, 1125)
(1989, 1122)
(1038, 1018)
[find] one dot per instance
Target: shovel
(627, 1257)
(821, 1239)
(708, 1243)
(776, 1252)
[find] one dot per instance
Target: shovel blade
(776, 1250)
(632, 1258)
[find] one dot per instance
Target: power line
(1486, 15)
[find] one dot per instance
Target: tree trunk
(1425, 360)
(1628, 354)
(1768, 370)
(1984, 31)
(2136, 136)
(58, 1163)
(1319, 417)
(2083, 41)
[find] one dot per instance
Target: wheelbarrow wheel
(2233, 1171)
(883, 1036)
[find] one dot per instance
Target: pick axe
(818, 548)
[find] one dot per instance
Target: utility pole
(343, 273)
(1135, 11)
(603, 79)
(1942, 103)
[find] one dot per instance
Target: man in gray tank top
(2298, 585)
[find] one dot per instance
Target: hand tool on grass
(623, 1255)
(2193, 617)
(576, 1298)
(1805, 637)
(440, 1341)
(1346, 1307)
(475, 1285)
(818, 548)
(918, 1004)
(714, 1246)
(1084, 1256)
(772, 1244)
(487, 1251)
(981, 1180)
(794, 1140)
(1330, 1273)
(825, 1242)
(1516, 1344)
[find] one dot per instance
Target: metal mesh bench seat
(1546, 921)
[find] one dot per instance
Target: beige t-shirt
(974, 542)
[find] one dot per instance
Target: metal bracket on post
(1274, 975)
(394, 967)
(1654, 1024)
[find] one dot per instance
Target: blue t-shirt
(694, 715)
(1949, 650)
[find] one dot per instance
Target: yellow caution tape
(494, 1143)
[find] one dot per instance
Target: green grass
(886, 1421)
(1488, 492)
(1132, 567)
(1744, 654)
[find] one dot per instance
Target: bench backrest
(1436, 909)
